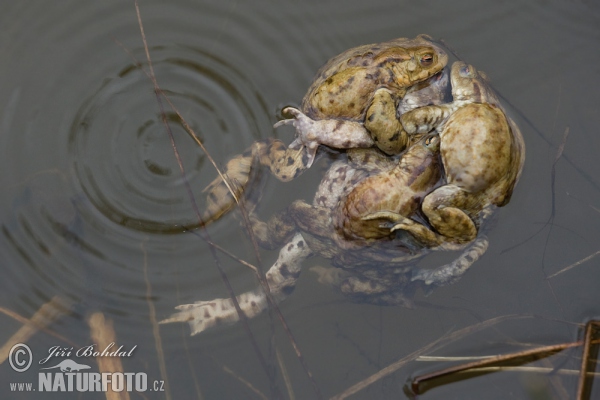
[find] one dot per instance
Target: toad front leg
(335, 133)
(381, 121)
(444, 210)
(281, 278)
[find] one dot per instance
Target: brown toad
(364, 82)
(352, 101)
(483, 153)
(373, 264)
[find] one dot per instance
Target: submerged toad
(373, 264)
(373, 272)
(373, 215)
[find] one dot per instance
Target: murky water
(93, 206)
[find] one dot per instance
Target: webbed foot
(306, 132)
(203, 315)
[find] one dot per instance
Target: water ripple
(122, 155)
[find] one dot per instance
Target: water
(92, 200)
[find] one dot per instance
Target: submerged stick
(588, 361)
(448, 338)
(103, 335)
(48, 313)
(490, 364)
(204, 235)
(574, 265)
(155, 331)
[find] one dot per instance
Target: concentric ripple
(121, 149)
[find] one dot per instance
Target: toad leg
(365, 290)
(444, 210)
(395, 222)
(453, 271)
(281, 278)
(381, 121)
(335, 133)
(285, 163)
(425, 119)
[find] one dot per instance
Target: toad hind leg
(363, 290)
(281, 278)
(453, 271)
(444, 210)
(285, 163)
(396, 222)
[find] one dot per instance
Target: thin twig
(285, 374)
(155, 331)
(41, 327)
(444, 340)
(574, 265)
(204, 234)
(537, 370)
(48, 313)
(245, 383)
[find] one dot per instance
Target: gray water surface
(92, 200)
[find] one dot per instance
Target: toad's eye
(465, 71)
(426, 60)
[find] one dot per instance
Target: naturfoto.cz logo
(71, 376)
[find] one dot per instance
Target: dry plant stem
(574, 265)
(285, 374)
(192, 369)
(204, 235)
(539, 352)
(43, 317)
(245, 383)
(103, 334)
(446, 339)
(559, 153)
(385, 371)
(584, 387)
(535, 370)
(155, 331)
(273, 305)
